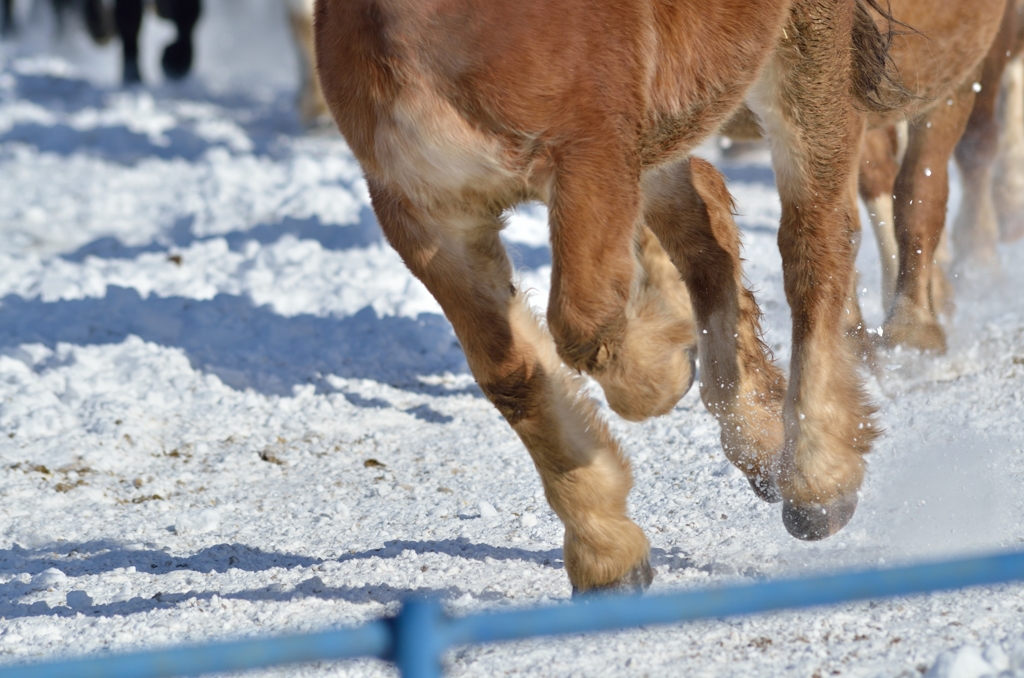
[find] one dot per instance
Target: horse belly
(705, 62)
(431, 152)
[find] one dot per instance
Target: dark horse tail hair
(876, 81)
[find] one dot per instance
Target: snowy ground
(227, 409)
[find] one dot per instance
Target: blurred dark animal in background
(107, 19)
(177, 56)
(123, 18)
(7, 17)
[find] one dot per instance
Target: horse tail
(876, 81)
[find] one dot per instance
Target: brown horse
(458, 110)
(954, 54)
(1007, 175)
(952, 62)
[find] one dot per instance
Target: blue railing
(416, 639)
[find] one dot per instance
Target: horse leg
(877, 176)
(976, 227)
(586, 479)
(922, 189)
(943, 297)
(603, 321)
(128, 18)
(7, 17)
(804, 101)
(177, 57)
(98, 21)
(689, 209)
(853, 319)
(312, 106)
(1009, 171)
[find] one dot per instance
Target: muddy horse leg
(586, 479)
(922, 190)
(815, 128)
(689, 209)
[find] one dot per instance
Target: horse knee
(583, 346)
(516, 394)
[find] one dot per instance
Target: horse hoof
(662, 390)
(766, 489)
(177, 59)
(923, 336)
(816, 521)
(131, 75)
(634, 582)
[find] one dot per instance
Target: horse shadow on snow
(97, 557)
(263, 122)
(246, 346)
(249, 346)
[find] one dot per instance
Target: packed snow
(227, 409)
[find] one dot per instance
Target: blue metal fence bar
(369, 640)
(421, 633)
(606, 613)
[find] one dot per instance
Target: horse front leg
(656, 362)
(804, 100)
(461, 260)
(689, 209)
(612, 312)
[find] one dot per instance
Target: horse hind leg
(99, 21)
(586, 479)
(128, 19)
(688, 207)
